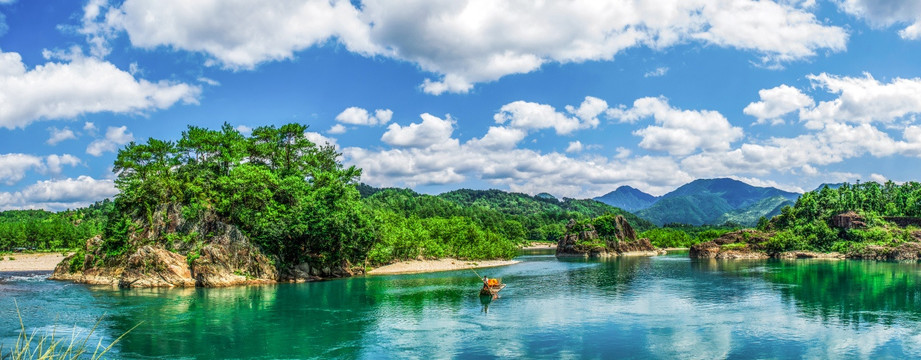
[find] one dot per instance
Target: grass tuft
(49, 347)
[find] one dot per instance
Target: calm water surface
(661, 307)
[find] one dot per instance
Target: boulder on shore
(582, 240)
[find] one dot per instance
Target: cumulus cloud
(499, 137)
(336, 129)
(321, 140)
(462, 42)
(359, 116)
(533, 116)
(13, 167)
(777, 102)
(863, 100)
(58, 135)
(678, 132)
(54, 162)
(243, 129)
(888, 13)
(574, 147)
(235, 35)
(55, 195)
(115, 136)
(65, 90)
(432, 131)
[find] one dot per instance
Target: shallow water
(661, 307)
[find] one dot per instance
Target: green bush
(784, 241)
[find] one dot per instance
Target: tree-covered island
(219, 208)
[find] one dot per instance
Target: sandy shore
(540, 245)
(421, 266)
(30, 262)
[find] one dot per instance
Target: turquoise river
(661, 307)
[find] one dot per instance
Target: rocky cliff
(584, 240)
(169, 250)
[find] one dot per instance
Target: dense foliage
(806, 225)
(44, 230)
(472, 224)
(289, 195)
(681, 235)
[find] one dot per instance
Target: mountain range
(703, 201)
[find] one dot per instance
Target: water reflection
(662, 307)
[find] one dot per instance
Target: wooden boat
(491, 289)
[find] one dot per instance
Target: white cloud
(432, 131)
(321, 140)
(574, 147)
(336, 129)
(659, 71)
(463, 42)
(115, 136)
(878, 178)
(678, 132)
(359, 116)
(236, 35)
(888, 13)
(777, 102)
(499, 137)
(58, 195)
(82, 85)
(243, 129)
(13, 167)
(54, 162)
(58, 135)
(863, 100)
(89, 126)
(208, 81)
(533, 116)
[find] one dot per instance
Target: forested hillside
(808, 224)
(716, 201)
(45, 230)
(473, 224)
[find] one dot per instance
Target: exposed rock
(742, 244)
(583, 241)
(171, 251)
(790, 255)
(848, 220)
(156, 267)
(904, 251)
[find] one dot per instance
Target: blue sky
(574, 98)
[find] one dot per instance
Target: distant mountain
(715, 201)
(525, 205)
(628, 198)
(768, 207)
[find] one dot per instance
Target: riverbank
(30, 262)
(538, 245)
(447, 264)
